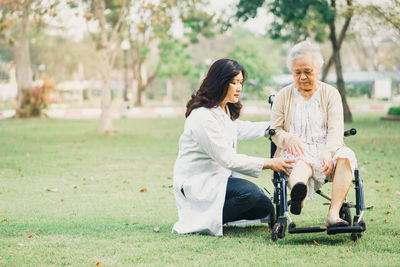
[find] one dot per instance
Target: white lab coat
(207, 157)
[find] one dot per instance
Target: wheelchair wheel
(275, 231)
(272, 222)
(355, 236)
(345, 213)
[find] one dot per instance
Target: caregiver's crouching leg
(245, 200)
(341, 183)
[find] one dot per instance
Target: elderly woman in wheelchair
(308, 120)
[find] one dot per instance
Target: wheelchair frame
(279, 223)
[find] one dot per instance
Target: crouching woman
(208, 184)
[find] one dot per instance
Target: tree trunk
(169, 91)
(339, 74)
(105, 118)
(329, 63)
(136, 67)
(23, 62)
(138, 99)
(326, 69)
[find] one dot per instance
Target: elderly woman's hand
(295, 146)
(327, 164)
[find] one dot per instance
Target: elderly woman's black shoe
(297, 195)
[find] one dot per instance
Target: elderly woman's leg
(298, 179)
(341, 183)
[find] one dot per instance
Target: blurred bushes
(36, 100)
(394, 110)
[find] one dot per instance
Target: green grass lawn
(69, 196)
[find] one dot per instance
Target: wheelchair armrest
(349, 132)
(269, 132)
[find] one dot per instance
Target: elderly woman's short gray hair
(302, 49)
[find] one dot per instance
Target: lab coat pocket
(183, 191)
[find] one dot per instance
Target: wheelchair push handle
(271, 99)
(349, 132)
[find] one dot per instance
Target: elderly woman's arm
(335, 124)
(282, 138)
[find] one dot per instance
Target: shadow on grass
(240, 231)
(264, 231)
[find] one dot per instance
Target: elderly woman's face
(305, 75)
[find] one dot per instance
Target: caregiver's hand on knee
(327, 164)
(278, 164)
(295, 146)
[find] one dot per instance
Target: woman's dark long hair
(215, 85)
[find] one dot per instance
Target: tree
(110, 18)
(387, 12)
(250, 52)
(316, 19)
(149, 26)
(16, 17)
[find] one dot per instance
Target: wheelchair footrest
(341, 230)
(301, 230)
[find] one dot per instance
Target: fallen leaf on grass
(368, 152)
(4, 220)
(315, 243)
(156, 229)
(134, 223)
(50, 189)
(97, 263)
(372, 219)
(386, 220)
(397, 233)
(143, 190)
(388, 212)
(30, 236)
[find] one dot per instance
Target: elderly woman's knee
(343, 163)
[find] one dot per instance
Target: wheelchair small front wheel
(355, 236)
(275, 231)
(272, 221)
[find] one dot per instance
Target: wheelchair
(279, 224)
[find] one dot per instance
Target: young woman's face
(305, 74)
(234, 89)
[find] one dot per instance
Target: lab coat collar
(220, 112)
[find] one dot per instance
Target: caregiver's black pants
(245, 200)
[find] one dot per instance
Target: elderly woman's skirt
(318, 176)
